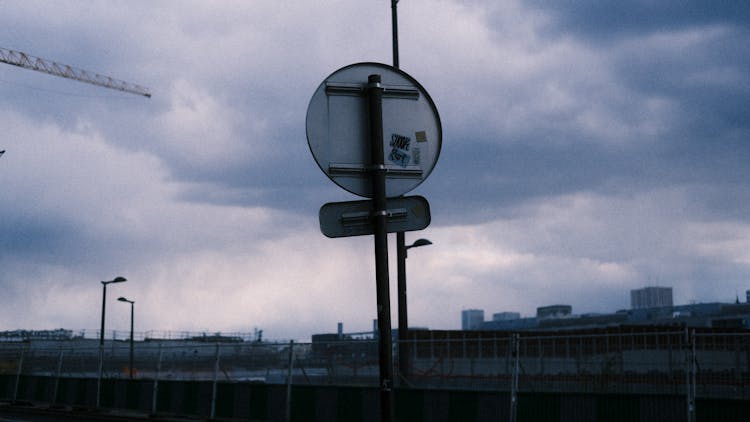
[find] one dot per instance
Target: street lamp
(403, 319)
(101, 336)
(131, 302)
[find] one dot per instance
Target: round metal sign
(338, 132)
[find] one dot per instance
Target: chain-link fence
(263, 362)
(700, 364)
(661, 362)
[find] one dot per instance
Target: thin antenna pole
(403, 318)
(394, 25)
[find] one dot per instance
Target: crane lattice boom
(27, 61)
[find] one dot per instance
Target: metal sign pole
(403, 319)
(380, 220)
(352, 154)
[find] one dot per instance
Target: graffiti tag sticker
(400, 153)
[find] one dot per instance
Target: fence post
(156, 383)
(414, 343)
(18, 376)
(690, 373)
(57, 379)
(693, 370)
(540, 353)
(288, 414)
(101, 369)
(515, 348)
(216, 377)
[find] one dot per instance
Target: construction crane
(27, 61)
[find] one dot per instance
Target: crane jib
(20, 59)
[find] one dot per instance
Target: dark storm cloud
(707, 74)
(493, 182)
(611, 20)
(59, 242)
(37, 238)
(690, 63)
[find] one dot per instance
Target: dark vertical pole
(57, 377)
(379, 221)
(394, 25)
(101, 348)
(288, 403)
(132, 311)
(18, 375)
(104, 303)
(515, 348)
(213, 384)
(155, 391)
(403, 319)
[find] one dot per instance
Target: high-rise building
(651, 297)
(471, 319)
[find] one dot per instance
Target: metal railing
(673, 362)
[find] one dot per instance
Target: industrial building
(649, 306)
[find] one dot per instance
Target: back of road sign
(353, 218)
(338, 131)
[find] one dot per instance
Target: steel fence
(706, 365)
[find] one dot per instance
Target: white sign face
(338, 132)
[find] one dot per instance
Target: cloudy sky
(588, 148)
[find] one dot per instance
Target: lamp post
(403, 319)
(132, 303)
(101, 337)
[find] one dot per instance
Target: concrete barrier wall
(266, 402)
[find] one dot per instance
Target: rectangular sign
(352, 218)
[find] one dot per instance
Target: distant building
(506, 316)
(554, 311)
(27, 335)
(651, 297)
(747, 296)
(472, 319)
(651, 306)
